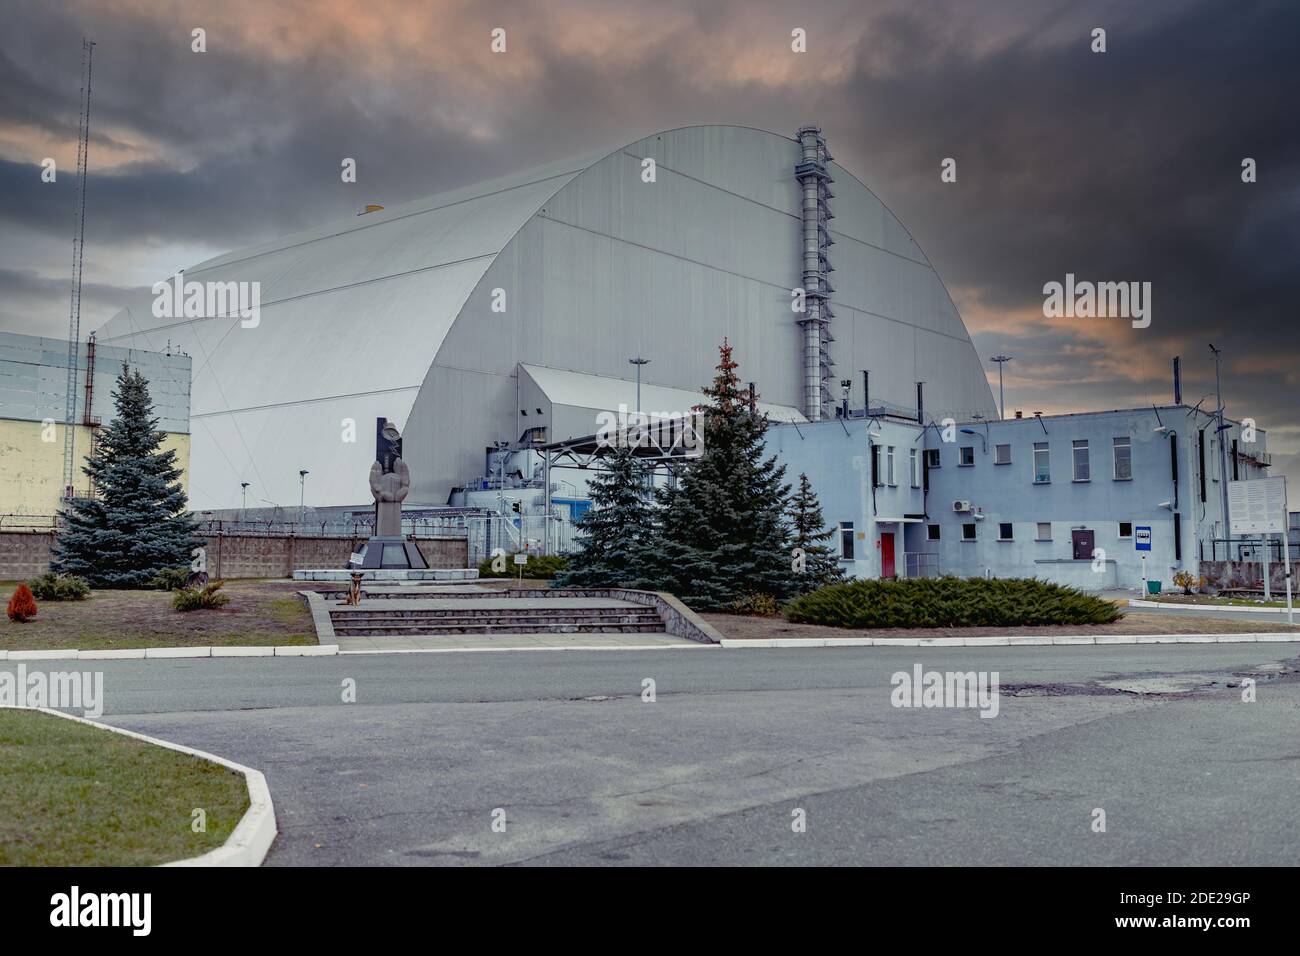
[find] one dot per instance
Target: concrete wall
(27, 554)
(31, 467)
(1244, 574)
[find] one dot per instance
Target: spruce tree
(809, 534)
(613, 534)
(137, 524)
(723, 534)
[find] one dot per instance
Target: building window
(914, 466)
(1042, 463)
(889, 466)
(1126, 529)
(1295, 521)
(932, 458)
(932, 532)
(1123, 458)
(846, 540)
(968, 531)
(1044, 531)
(1005, 531)
(966, 456)
(1001, 454)
(1081, 471)
(875, 466)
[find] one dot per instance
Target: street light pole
(302, 492)
(1002, 398)
(243, 505)
(638, 362)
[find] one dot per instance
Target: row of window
(1121, 452)
(1007, 531)
(883, 472)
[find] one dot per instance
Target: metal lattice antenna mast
(78, 256)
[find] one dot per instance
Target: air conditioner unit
(961, 506)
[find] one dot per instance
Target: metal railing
(1250, 549)
(921, 564)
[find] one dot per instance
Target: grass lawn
(1213, 601)
(746, 626)
(259, 613)
(73, 795)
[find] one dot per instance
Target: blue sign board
(1142, 537)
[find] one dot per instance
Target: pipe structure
(814, 181)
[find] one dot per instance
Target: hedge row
(539, 567)
(949, 602)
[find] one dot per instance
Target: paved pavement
(734, 742)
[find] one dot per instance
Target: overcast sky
(1115, 166)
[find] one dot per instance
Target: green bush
(539, 567)
(950, 602)
(59, 587)
(198, 599)
(758, 605)
(171, 579)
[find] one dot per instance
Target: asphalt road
(586, 772)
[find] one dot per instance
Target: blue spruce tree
(723, 533)
(613, 534)
(136, 525)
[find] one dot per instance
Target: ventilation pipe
(815, 181)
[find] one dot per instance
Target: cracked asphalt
(737, 743)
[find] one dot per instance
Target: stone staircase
(390, 618)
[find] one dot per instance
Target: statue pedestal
(390, 552)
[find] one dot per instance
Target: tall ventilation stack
(815, 182)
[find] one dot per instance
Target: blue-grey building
(1073, 498)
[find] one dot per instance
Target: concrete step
(510, 627)
(435, 614)
(349, 624)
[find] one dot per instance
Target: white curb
(252, 837)
(691, 645)
(172, 653)
(1033, 640)
(1202, 608)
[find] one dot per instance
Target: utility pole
(78, 256)
(1219, 431)
(302, 493)
(243, 508)
(1002, 398)
(638, 362)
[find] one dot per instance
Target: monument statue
(390, 480)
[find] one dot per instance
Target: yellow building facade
(31, 465)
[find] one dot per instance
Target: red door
(887, 554)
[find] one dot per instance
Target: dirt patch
(259, 613)
(744, 627)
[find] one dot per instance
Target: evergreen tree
(820, 564)
(613, 534)
(723, 534)
(136, 525)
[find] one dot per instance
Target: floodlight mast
(78, 257)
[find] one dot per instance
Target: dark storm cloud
(1115, 166)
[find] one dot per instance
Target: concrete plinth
(396, 575)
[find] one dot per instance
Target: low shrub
(539, 567)
(171, 579)
(950, 602)
(22, 606)
(1186, 580)
(200, 599)
(59, 587)
(759, 605)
